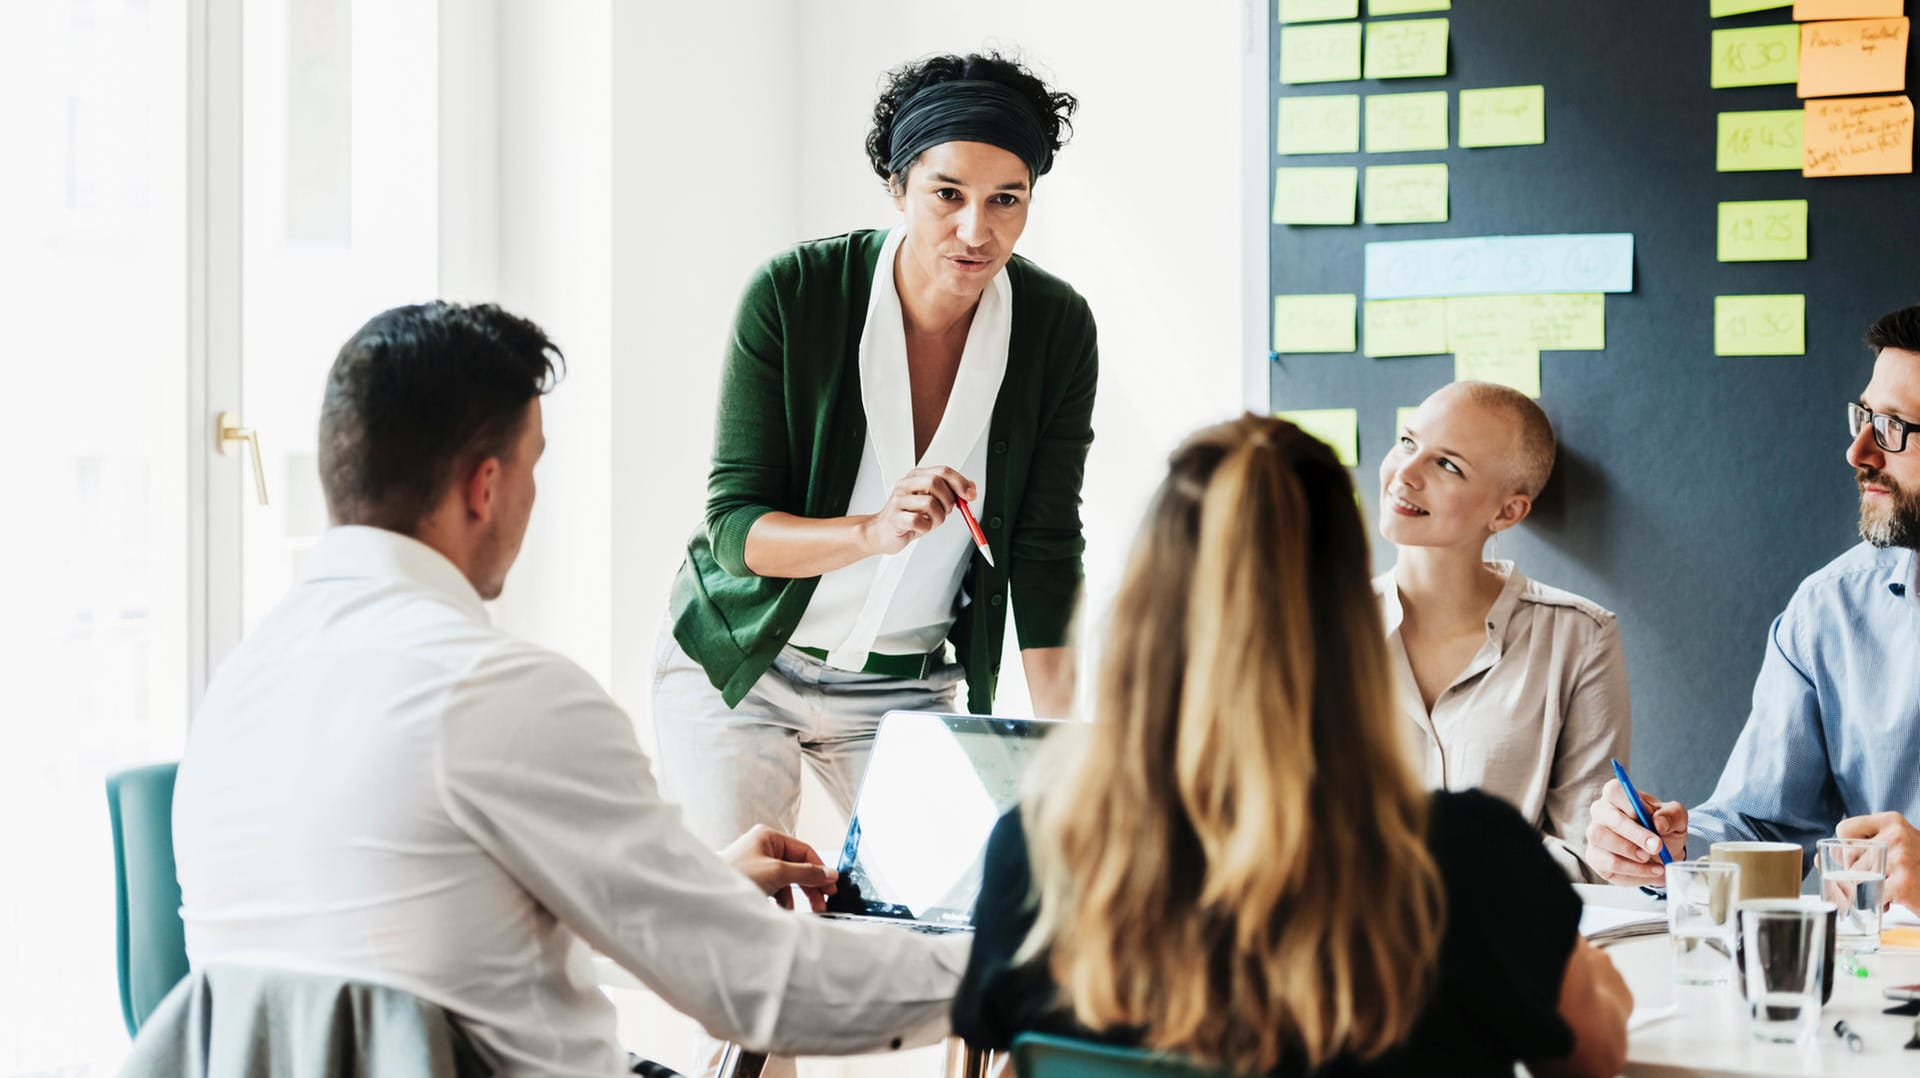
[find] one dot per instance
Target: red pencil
(979, 537)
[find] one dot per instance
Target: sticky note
(1329, 53)
(1759, 325)
(1516, 367)
(1319, 124)
(1318, 10)
(1321, 323)
(1857, 56)
(1410, 48)
(1500, 265)
(1400, 122)
(1338, 427)
(1545, 323)
(1767, 141)
(1405, 194)
(1859, 136)
(1406, 7)
(1803, 10)
(1315, 196)
(1756, 56)
(1404, 327)
(1763, 231)
(1503, 116)
(1722, 8)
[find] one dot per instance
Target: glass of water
(1853, 876)
(1784, 947)
(1700, 903)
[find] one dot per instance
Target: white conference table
(1708, 1034)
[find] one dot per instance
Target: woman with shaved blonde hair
(1235, 862)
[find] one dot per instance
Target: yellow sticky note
(1759, 325)
(1857, 56)
(1400, 122)
(1722, 8)
(1543, 322)
(1503, 116)
(1767, 141)
(1756, 56)
(1804, 10)
(1404, 327)
(1516, 367)
(1763, 231)
(1314, 196)
(1410, 48)
(1403, 7)
(1322, 323)
(1405, 194)
(1329, 53)
(1338, 427)
(1403, 418)
(1318, 10)
(1859, 136)
(1319, 124)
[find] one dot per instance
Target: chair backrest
(152, 940)
(1040, 1055)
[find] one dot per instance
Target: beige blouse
(1537, 714)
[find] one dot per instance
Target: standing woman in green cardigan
(873, 381)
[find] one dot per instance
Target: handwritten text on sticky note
(1321, 323)
(1756, 56)
(1859, 136)
(1400, 122)
(1320, 53)
(1769, 141)
(1404, 327)
(1760, 325)
(1319, 124)
(1405, 194)
(1503, 116)
(1773, 231)
(1855, 56)
(1409, 48)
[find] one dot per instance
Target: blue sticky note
(1500, 266)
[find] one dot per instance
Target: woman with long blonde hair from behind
(1234, 862)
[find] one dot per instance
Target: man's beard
(1896, 523)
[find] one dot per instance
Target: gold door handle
(230, 431)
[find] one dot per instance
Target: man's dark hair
(419, 395)
(1901, 330)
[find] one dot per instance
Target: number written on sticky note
(1760, 325)
(1773, 231)
(1767, 141)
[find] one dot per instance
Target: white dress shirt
(382, 786)
(1537, 715)
(863, 607)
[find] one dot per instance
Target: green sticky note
(1321, 323)
(1767, 141)
(1318, 10)
(1405, 194)
(1329, 53)
(1516, 367)
(1542, 322)
(1503, 116)
(1400, 122)
(1314, 196)
(1411, 48)
(1404, 327)
(1759, 325)
(1721, 8)
(1403, 7)
(1403, 418)
(1338, 427)
(1756, 56)
(1763, 231)
(1319, 124)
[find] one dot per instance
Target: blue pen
(1640, 809)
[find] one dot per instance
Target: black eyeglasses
(1889, 433)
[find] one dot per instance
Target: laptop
(917, 841)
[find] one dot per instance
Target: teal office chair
(153, 942)
(1039, 1055)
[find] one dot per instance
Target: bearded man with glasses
(1831, 744)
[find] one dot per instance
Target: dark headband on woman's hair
(969, 110)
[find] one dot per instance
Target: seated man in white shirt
(383, 787)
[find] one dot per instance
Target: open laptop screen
(933, 789)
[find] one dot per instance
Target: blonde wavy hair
(1232, 856)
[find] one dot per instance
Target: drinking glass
(1853, 876)
(1700, 905)
(1785, 948)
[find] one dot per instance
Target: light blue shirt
(1835, 727)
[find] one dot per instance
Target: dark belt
(916, 667)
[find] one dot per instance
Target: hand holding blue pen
(1640, 810)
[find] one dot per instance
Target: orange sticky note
(1859, 136)
(1804, 10)
(1857, 56)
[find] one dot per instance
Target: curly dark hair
(1054, 107)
